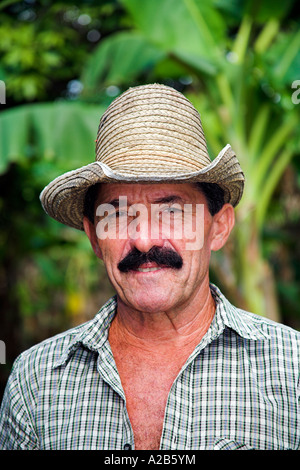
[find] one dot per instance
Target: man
(168, 363)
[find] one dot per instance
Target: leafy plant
(240, 81)
(235, 61)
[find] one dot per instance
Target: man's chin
(148, 303)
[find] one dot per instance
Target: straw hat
(150, 133)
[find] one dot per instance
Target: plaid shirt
(237, 390)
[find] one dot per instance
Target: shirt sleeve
(16, 430)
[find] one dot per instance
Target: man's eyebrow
(168, 199)
(162, 200)
(114, 202)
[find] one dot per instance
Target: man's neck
(164, 331)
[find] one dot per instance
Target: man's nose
(144, 233)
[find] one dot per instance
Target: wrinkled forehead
(149, 192)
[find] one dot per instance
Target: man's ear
(90, 230)
(223, 224)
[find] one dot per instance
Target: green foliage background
(63, 63)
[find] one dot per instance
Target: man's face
(153, 264)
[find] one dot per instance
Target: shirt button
(127, 447)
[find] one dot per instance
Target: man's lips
(146, 268)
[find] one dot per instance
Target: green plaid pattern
(238, 390)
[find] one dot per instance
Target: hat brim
(63, 198)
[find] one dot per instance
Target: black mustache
(161, 256)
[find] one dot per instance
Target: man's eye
(114, 214)
(121, 214)
(172, 210)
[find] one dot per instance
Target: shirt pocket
(230, 444)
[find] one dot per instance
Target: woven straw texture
(150, 133)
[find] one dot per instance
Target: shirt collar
(91, 335)
(94, 334)
(247, 325)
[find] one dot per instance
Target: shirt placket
(176, 429)
(108, 371)
(178, 420)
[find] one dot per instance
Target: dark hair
(213, 193)
(89, 202)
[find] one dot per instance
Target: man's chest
(146, 387)
(208, 405)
